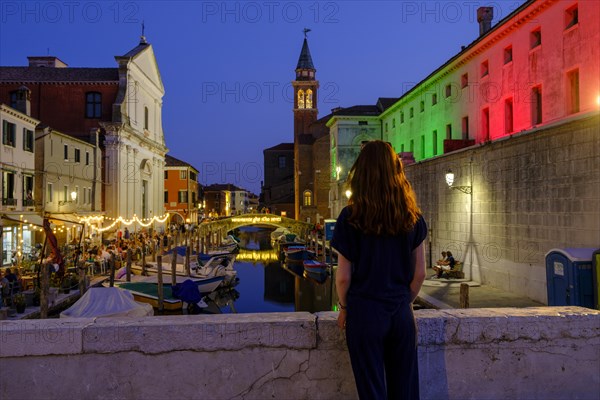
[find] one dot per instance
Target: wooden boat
(218, 266)
(277, 234)
(215, 266)
(99, 302)
(202, 257)
(294, 268)
(147, 292)
(315, 266)
(318, 277)
(298, 254)
(223, 249)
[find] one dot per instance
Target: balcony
(28, 203)
(9, 202)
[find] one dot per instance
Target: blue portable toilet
(569, 277)
(596, 278)
(329, 226)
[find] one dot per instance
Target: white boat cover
(107, 302)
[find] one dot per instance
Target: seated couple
(446, 263)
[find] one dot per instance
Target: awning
(65, 218)
(15, 218)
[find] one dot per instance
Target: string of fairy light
(92, 221)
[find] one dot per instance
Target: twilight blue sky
(227, 65)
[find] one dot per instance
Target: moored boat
(298, 254)
(315, 266)
(147, 292)
(102, 302)
(215, 266)
(318, 277)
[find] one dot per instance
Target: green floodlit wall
(484, 95)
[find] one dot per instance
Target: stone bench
(456, 272)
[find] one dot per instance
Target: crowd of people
(139, 243)
(94, 257)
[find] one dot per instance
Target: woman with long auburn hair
(381, 267)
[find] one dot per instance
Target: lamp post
(73, 199)
(468, 190)
(450, 183)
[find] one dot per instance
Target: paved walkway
(445, 293)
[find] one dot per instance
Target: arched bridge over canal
(225, 225)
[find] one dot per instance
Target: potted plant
(66, 284)
(19, 302)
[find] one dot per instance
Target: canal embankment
(533, 353)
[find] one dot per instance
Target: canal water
(268, 285)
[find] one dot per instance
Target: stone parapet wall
(533, 353)
(531, 192)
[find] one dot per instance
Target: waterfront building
(348, 128)
(17, 163)
(181, 191)
(515, 117)
(253, 203)
(278, 186)
(538, 66)
(124, 103)
(67, 181)
(224, 200)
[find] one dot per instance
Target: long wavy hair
(382, 200)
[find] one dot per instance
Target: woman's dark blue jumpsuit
(380, 327)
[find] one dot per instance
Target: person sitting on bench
(443, 260)
(444, 266)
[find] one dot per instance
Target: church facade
(123, 105)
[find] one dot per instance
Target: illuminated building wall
(522, 102)
(539, 65)
(181, 191)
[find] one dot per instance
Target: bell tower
(305, 92)
(305, 114)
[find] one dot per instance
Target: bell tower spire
(305, 91)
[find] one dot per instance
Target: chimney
(23, 103)
(484, 17)
(46, 61)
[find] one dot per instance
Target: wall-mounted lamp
(450, 182)
(348, 193)
(73, 198)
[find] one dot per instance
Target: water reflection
(267, 285)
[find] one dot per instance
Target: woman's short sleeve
(419, 232)
(344, 239)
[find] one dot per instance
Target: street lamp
(73, 198)
(450, 182)
(348, 194)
